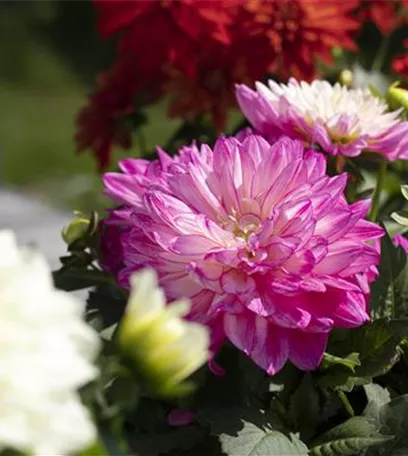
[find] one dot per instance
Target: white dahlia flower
(341, 121)
(46, 351)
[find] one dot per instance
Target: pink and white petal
(339, 257)
(192, 245)
(364, 230)
(316, 164)
(369, 257)
(352, 313)
(133, 165)
(264, 343)
(334, 225)
(123, 188)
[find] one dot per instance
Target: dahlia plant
(239, 282)
(246, 282)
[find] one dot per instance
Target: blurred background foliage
(50, 54)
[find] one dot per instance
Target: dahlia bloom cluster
(196, 50)
(257, 235)
(47, 352)
(340, 121)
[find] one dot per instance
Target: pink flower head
(339, 120)
(259, 238)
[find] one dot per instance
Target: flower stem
(379, 59)
(378, 189)
(346, 403)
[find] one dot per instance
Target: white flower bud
(164, 348)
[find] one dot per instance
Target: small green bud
(397, 97)
(76, 229)
(346, 78)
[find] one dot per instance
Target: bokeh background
(50, 55)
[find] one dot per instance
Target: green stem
(346, 403)
(379, 60)
(378, 189)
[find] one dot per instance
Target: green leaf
(348, 438)
(106, 303)
(254, 441)
(71, 279)
(123, 394)
(401, 294)
(377, 397)
(348, 446)
(378, 347)
(245, 431)
(339, 372)
(350, 362)
(242, 383)
(305, 398)
(393, 419)
(383, 295)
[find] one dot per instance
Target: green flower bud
(76, 229)
(397, 97)
(163, 347)
(346, 78)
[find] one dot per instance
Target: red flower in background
(400, 64)
(387, 15)
(196, 50)
(210, 88)
(101, 124)
(158, 32)
(302, 30)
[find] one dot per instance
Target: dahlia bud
(76, 229)
(397, 97)
(163, 348)
(346, 78)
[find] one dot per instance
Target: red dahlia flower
(163, 31)
(211, 87)
(400, 64)
(101, 124)
(302, 30)
(386, 15)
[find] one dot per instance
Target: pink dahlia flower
(259, 238)
(339, 120)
